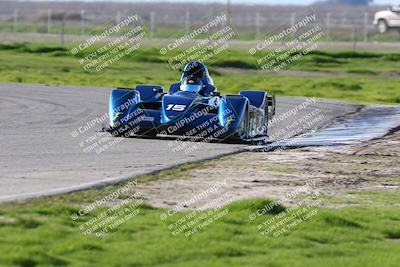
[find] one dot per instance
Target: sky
(271, 2)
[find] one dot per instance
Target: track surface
(39, 156)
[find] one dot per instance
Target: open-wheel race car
(191, 108)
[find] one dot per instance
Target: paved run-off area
(41, 155)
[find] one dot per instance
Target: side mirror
(216, 94)
(157, 90)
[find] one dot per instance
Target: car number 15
(176, 107)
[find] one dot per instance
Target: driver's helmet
(195, 69)
(191, 84)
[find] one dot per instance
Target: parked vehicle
(388, 19)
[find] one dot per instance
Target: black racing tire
(267, 118)
(148, 133)
(116, 133)
(243, 133)
(127, 133)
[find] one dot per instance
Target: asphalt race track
(48, 144)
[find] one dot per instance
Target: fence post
(292, 21)
(82, 22)
(118, 18)
(224, 22)
(49, 21)
(152, 17)
(354, 36)
(62, 30)
(257, 25)
(187, 22)
(366, 21)
(15, 20)
(293, 18)
(328, 24)
(228, 12)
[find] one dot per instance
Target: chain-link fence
(353, 23)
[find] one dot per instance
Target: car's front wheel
(148, 133)
(382, 26)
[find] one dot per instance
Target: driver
(195, 69)
(191, 84)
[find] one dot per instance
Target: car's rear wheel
(382, 26)
(266, 118)
(244, 126)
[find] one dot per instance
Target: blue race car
(192, 108)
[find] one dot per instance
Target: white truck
(388, 19)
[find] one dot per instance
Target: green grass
(53, 65)
(41, 233)
(327, 61)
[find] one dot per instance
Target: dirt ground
(334, 172)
